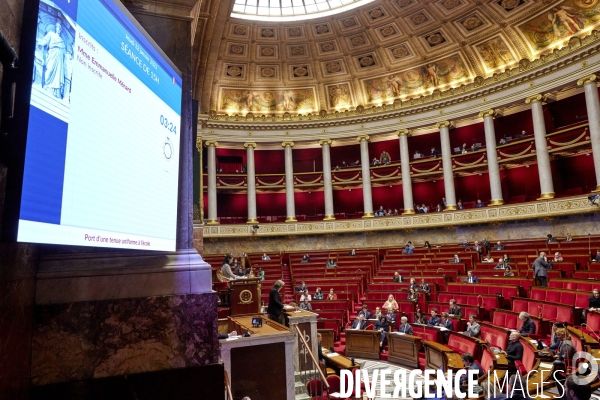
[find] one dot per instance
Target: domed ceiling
(379, 53)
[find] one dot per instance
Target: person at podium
(359, 323)
(275, 303)
(226, 268)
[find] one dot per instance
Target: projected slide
(102, 155)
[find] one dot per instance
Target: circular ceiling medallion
(240, 30)
(267, 51)
(332, 67)
(300, 71)
(268, 72)
(234, 71)
(235, 49)
(367, 61)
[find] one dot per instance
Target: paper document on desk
(332, 354)
(443, 329)
(232, 338)
(335, 395)
(545, 365)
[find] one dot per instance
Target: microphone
(591, 331)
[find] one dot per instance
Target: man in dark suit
(473, 328)
(514, 349)
(455, 309)
(301, 288)
(499, 246)
(550, 239)
(471, 278)
(359, 323)
(275, 304)
(405, 327)
(485, 243)
(477, 247)
(435, 319)
(540, 267)
(456, 259)
(445, 322)
(365, 311)
(424, 287)
(528, 327)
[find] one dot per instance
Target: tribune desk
(362, 344)
(260, 366)
(306, 321)
(404, 349)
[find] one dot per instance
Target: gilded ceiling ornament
(376, 13)
(400, 51)
(267, 32)
(435, 39)
(349, 22)
(236, 49)
(450, 4)
(404, 3)
(234, 71)
(419, 18)
(298, 50)
(240, 30)
(333, 67)
(322, 29)
(388, 31)
(326, 47)
(366, 61)
(267, 51)
(472, 22)
(267, 72)
(509, 4)
(300, 71)
(586, 3)
(358, 40)
(295, 32)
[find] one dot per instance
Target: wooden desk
(339, 362)
(437, 355)
(404, 349)
(427, 332)
(363, 344)
(328, 338)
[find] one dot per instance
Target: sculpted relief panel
(298, 100)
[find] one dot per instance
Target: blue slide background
(44, 172)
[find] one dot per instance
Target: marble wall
(577, 225)
(99, 339)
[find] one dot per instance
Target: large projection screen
(102, 152)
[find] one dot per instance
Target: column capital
(534, 98)
(443, 124)
(487, 113)
(587, 79)
(403, 132)
(250, 144)
(212, 143)
(199, 144)
(285, 144)
(363, 137)
(325, 141)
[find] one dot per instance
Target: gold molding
(442, 124)
(450, 208)
(496, 202)
(291, 219)
(597, 190)
(199, 144)
(250, 144)
(534, 98)
(588, 79)
(212, 222)
(546, 196)
(252, 221)
(213, 143)
(403, 132)
(487, 113)
(284, 144)
(329, 218)
(325, 141)
(368, 215)
(410, 211)
(363, 137)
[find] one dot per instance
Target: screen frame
(16, 90)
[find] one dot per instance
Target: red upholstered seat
(528, 362)
(460, 344)
(334, 384)
(315, 387)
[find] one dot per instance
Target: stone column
(593, 111)
(541, 147)
(366, 176)
(492, 157)
(327, 186)
(212, 182)
(251, 182)
(289, 182)
(200, 163)
(444, 128)
(405, 167)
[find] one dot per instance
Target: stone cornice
(552, 71)
(549, 208)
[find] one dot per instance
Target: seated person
(397, 277)
(265, 257)
(365, 311)
(558, 257)
(593, 302)
(464, 149)
(331, 263)
(514, 349)
(479, 204)
(261, 274)
(473, 328)
(390, 303)
(375, 162)
(435, 319)
(359, 323)
(301, 288)
(456, 259)
(459, 205)
(427, 245)
(445, 322)
(355, 163)
(488, 259)
(508, 271)
(528, 327)
(434, 152)
(391, 317)
(352, 252)
(569, 238)
(477, 247)
(420, 318)
(412, 295)
(306, 296)
(439, 208)
(424, 287)
(597, 257)
(470, 363)
(502, 142)
(455, 310)
(566, 349)
(305, 305)
(319, 294)
(405, 327)
(550, 239)
(305, 258)
(554, 341)
(331, 295)
(413, 285)
(382, 326)
(407, 250)
(377, 314)
(499, 246)
(471, 278)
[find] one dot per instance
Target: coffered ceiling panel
(380, 52)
